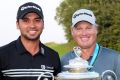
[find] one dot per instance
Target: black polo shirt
(16, 63)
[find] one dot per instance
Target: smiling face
(84, 34)
(31, 26)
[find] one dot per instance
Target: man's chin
(33, 38)
(84, 46)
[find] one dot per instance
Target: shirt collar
(21, 49)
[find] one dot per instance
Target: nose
(32, 25)
(84, 32)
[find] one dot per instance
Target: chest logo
(42, 66)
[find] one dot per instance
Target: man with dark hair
(27, 58)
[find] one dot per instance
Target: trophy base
(78, 76)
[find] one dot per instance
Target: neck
(31, 46)
(86, 53)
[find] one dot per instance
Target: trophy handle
(77, 51)
(42, 74)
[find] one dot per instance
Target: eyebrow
(35, 18)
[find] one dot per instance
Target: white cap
(83, 15)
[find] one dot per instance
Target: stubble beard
(30, 38)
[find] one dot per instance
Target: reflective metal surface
(78, 76)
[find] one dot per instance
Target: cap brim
(30, 11)
(87, 19)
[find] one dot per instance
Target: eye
(38, 20)
(88, 28)
(78, 28)
(25, 20)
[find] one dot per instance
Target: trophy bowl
(76, 69)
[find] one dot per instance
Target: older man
(84, 31)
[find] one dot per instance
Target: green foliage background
(107, 13)
(61, 48)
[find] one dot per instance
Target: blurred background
(107, 13)
(58, 15)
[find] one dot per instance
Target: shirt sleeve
(117, 67)
(1, 74)
(58, 65)
(65, 60)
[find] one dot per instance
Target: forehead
(30, 14)
(83, 23)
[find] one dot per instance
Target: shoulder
(7, 47)
(109, 51)
(68, 56)
(65, 59)
(49, 50)
(109, 54)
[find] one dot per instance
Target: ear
(17, 24)
(43, 24)
(97, 30)
(71, 31)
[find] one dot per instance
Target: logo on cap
(82, 14)
(27, 7)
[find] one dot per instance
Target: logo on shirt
(47, 67)
(42, 66)
(108, 75)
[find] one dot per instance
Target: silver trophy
(77, 69)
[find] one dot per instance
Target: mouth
(32, 32)
(84, 39)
